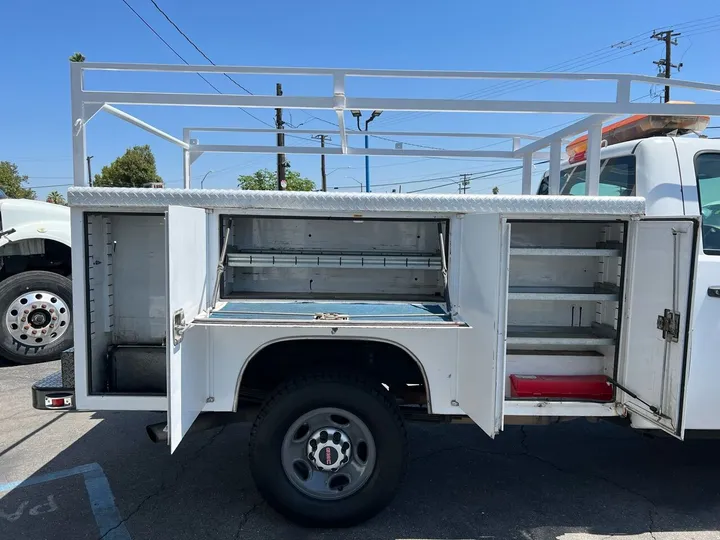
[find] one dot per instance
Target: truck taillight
(58, 401)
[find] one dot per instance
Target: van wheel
(36, 321)
(328, 450)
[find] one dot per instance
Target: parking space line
(102, 501)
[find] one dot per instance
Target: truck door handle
(714, 292)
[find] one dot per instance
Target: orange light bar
(639, 126)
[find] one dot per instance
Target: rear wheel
(328, 450)
(36, 321)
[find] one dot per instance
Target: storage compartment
(126, 298)
(564, 293)
(334, 259)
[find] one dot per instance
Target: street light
(357, 115)
(358, 181)
(204, 177)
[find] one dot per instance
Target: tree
(11, 182)
(55, 198)
(267, 181)
(495, 190)
(135, 168)
(77, 57)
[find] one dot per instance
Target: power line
(185, 61)
(573, 64)
(198, 49)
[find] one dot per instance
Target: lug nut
(34, 332)
(26, 311)
(34, 306)
(23, 319)
(44, 306)
(43, 331)
(26, 327)
(54, 318)
(52, 326)
(52, 310)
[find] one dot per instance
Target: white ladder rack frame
(87, 103)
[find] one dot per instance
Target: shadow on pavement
(534, 482)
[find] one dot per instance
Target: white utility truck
(328, 320)
(35, 286)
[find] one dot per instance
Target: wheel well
(387, 363)
(35, 254)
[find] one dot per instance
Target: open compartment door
(187, 345)
(481, 301)
(653, 344)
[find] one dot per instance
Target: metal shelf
(329, 259)
(600, 292)
(564, 252)
(595, 335)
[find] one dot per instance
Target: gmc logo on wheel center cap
(328, 456)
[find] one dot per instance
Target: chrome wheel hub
(37, 318)
(329, 449)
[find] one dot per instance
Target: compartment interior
(565, 287)
(126, 295)
(333, 259)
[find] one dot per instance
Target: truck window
(707, 171)
(617, 178)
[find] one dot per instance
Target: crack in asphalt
(245, 518)
(164, 485)
(579, 473)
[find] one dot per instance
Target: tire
(362, 403)
(30, 336)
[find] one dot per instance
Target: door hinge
(669, 324)
(178, 326)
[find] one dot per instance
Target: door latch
(178, 326)
(669, 324)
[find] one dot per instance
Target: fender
(34, 220)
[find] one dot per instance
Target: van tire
(368, 407)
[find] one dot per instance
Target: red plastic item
(594, 387)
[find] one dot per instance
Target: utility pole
(322, 159)
(464, 183)
(279, 124)
(666, 63)
(89, 171)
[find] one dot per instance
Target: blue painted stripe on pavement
(103, 506)
(40, 479)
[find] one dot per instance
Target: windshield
(617, 178)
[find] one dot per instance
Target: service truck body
(328, 318)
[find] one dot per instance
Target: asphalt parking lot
(89, 474)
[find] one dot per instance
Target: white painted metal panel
(187, 360)
(659, 278)
(702, 401)
(480, 299)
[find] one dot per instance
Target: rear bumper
(56, 391)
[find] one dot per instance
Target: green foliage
(11, 182)
(267, 181)
(56, 198)
(495, 190)
(77, 57)
(135, 168)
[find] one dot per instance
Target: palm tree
(55, 198)
(77, 57)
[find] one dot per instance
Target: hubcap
(328, 453)
(37, 318)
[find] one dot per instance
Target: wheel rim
(328, 453)
(37, 318)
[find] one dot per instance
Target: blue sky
(464, 35)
